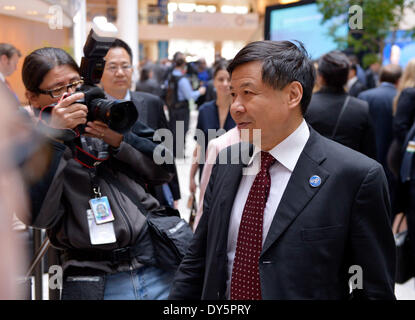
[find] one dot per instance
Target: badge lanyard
(99, 205)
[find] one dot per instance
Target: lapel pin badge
(315, 181)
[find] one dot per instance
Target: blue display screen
(399, 48)
(303, 23)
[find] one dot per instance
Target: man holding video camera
(93, 159)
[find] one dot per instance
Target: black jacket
(316, 235)
(380, 101)
(151, 112)
(357, 88)
(405, 114)
(60, 200)
(355, 128)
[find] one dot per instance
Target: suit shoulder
(358, 103)
(207, 106)
(147, 97)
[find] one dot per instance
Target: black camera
(119, 115)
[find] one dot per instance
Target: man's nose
(237, 107)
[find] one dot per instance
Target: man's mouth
(243, 125)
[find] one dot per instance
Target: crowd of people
(330, 173)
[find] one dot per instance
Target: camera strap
(91, 153)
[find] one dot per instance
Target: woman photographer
(111, 259)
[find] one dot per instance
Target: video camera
(119, 115)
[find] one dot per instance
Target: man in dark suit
(116, 82)
(354, 85)
(352, 127)
(314, 213)
(380, 102)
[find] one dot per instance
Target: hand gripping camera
(119, 115)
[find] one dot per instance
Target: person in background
(372, 75)
(116, 81)
(180, 112)
(380, 100)
(404, 103)
(9, 58)
(214, 147)
(213, 115)
(353, 85)
(352, 127)
(147, 83)
(13, 200)
(360, 72)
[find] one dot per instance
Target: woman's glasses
(59, 92)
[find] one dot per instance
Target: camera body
(119, 115)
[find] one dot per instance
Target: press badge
(101, 210)
(100, 233)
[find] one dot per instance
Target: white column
(79, 31)
(127, 23)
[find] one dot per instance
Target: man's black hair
(334, 68)
(118, 43)
(282, 63)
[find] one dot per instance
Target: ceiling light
(32, 12)
(9, 8)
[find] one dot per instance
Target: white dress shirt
(2, 78)
(286, 153)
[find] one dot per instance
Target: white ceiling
(24, 6)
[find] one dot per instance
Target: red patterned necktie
(245, 283)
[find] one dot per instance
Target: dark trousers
(179, 125)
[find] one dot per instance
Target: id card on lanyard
(100, 216)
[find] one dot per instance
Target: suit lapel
(298, 192)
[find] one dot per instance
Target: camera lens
(119, 115)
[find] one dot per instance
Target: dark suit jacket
(316, 235)
(151, 112)
(357, 88)
(405, 114)
(380, 101)
(355, 128)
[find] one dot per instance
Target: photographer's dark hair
(37, 64)
(282, 63)
(118, 43)
(9, 50)
(334, 68)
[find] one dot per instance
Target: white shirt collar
(351, 82)
(288, 151)
(2, 78)
(127, 96)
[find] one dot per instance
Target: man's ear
(33, 99)
(295, 94)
